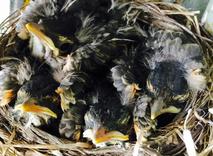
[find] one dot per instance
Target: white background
(4, 9)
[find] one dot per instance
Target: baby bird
(175, 70)
(71, 88)
(53, 23)
(36, 103)
(106, 120)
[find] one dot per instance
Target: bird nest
(15, 139)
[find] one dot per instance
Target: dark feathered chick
(54, 20)
(72, 122)
(175, 71)
(55, 12)
(35, 102)
(130, 73)
(62, 26)
(13, 74)
(106, 120)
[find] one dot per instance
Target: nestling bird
(130, 73)
(43, 19)
(175, 71)
(71, 88)
(36, 102)
(107, 121)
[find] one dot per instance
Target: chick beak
(101, 135)
(34, 108)
(64, 102)
(8, 95)
(157, 109)
(36, 31)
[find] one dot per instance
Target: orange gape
(7, 97)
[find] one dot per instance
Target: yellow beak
(113, 135)
(101, 136)
(33, 108)
(35, 30)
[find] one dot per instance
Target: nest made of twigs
(17, 140)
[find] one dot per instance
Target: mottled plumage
(36, 100)
(106, 120)
(125, 83)
(13, 75)
(175, 69)
(152, 70)
(143, 124)
(72, 122)
(71, 88)
(174, 65)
